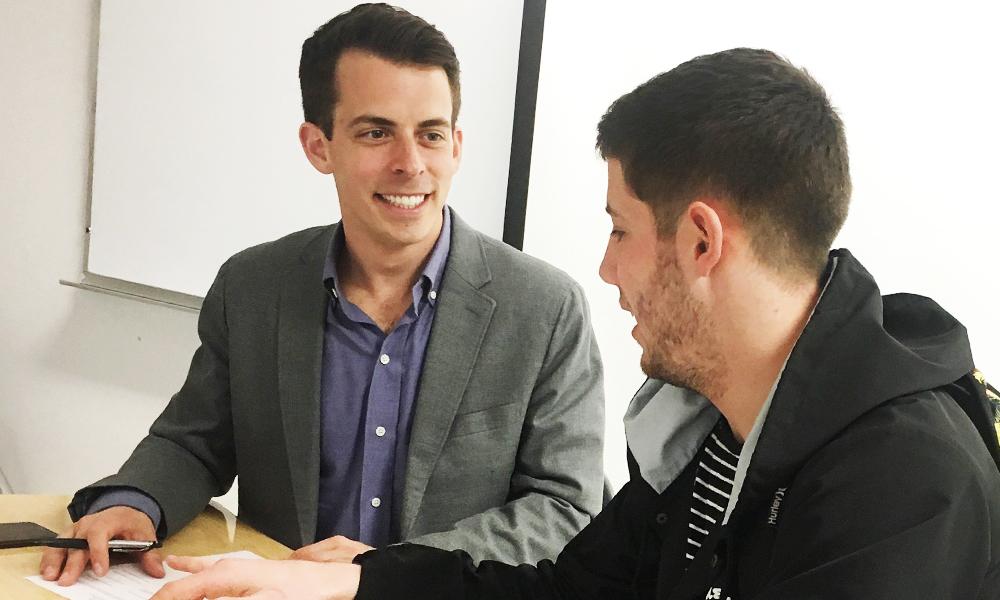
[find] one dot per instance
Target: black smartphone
(10, 532)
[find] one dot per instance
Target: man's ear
(316, 146)
(700, 236)
(456, 138)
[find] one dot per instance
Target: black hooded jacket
(868, 480)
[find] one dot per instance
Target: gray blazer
(505, 456)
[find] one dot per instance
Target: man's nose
(407, 159)
(607, 270)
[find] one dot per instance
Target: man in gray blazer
(397, 376)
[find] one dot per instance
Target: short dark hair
(386, 31)
(750, 127)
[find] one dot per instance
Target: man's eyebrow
(371, 120)
(434, 123)
(611, 211)
(384, 122)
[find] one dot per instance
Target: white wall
(82, 374)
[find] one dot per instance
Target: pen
(119, 546)
(132, 545)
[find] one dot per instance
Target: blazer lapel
(462, 316)
(301, 318)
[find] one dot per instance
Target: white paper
(123, 582)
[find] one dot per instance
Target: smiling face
(393, 151)
(672, 326)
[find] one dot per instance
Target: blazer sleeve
(188, 456)
(557, 484)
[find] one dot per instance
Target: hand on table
(335, 549)
(117, 522)
(260, 580)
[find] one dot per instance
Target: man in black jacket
(800, 436)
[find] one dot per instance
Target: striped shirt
(713, 485)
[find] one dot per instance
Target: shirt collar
(434, 269)
(430, 278)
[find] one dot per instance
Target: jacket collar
(857, 351)
(467, 256)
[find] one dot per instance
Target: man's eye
(375, 134)
(616, 234)
(434, 136)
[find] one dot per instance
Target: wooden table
(214, 531)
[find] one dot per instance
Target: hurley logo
(779, 495)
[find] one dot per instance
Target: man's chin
(657, 369)
(653, 368)
(415, 232)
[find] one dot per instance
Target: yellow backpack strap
(992, 395)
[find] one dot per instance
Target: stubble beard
(683, 349)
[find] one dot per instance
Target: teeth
(403, 201)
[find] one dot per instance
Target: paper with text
(123, 582)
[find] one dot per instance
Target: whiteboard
(196, 153)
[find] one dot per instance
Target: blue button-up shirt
(369, 385)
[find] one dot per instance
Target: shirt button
(384, 359)
(433, 295)
(376, 502)
(380, 431)
(661, 518)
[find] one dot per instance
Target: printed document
(123, 582)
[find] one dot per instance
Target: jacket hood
(859, 350)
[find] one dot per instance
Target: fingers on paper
(190, 564)
(152, 563)
(97, 539)
(218, 582)
(53, 559)
(76, 562)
